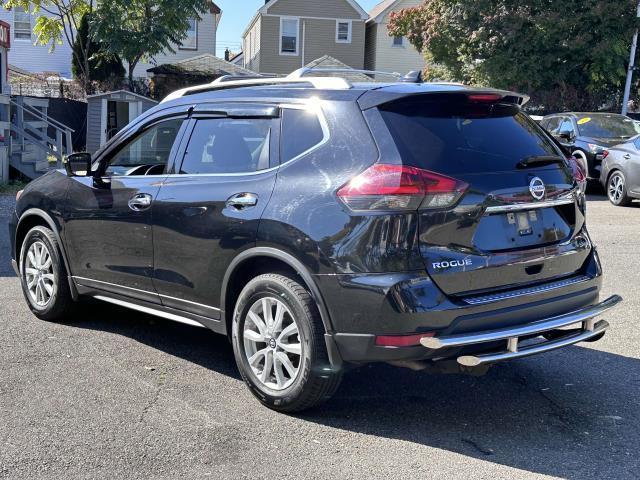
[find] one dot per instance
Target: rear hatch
(518, 219)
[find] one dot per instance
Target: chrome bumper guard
(548, 328)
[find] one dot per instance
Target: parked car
(588, 135)
(321, 225)
(620, 174)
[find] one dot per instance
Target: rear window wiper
(539, 160)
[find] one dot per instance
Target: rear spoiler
(380, 96)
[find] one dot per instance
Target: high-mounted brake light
(399, 187)
(484, 97)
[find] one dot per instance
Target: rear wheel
(43, 276)
(617, 189)
(278, 343)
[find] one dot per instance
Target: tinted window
(227, 145)
(552, 124)
(152, 147)
(301, 131)
(606, 126)
(450, 135)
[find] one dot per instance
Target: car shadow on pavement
(560, 414)
(197, 345)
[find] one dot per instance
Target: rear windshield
(450, 135)
(606, 126)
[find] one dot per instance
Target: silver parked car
(620, 174)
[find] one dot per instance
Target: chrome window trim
(293, 106)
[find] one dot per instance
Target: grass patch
(12, 187)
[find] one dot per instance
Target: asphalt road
(123, 395)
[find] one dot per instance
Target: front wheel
(617, 189)
(43, 276)
(278, 343)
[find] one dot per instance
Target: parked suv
(321, 224)
(589, 135)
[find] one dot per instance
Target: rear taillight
(578, 170)
(398, 187)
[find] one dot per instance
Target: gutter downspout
(304, 40)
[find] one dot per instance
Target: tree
(102, 65)
(57, 21)
(136, 29)
(567, 55)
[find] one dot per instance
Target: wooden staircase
(33, 151)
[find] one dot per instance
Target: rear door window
(451, 136)
(228, 145)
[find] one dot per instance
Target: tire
(582, 158)
(278, 388)
(617, 189)
(50, 271)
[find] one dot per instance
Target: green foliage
(103, 65)
(137, 29)
(65, 18)
(566, 55)
(58, 21)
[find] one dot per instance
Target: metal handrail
(45, 118)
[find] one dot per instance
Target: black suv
(588, 136)
(322, 224)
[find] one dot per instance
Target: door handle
(241, 201)
(140, 202)
(627, 156)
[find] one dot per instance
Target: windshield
(607, 126)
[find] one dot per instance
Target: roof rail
(233, 78)
(302, 72)
(321, 83)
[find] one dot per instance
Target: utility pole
(632, 60)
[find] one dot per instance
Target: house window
(343, 31)
(398, 41)
(289, 28)
(21, 24)
(191, 40)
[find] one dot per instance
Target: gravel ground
(123, 395)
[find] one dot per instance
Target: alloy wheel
(38, 274)
(616, 188)
(272, 343)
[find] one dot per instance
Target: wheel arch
(36, 217)
(273, 257)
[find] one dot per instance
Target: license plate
(522, 221)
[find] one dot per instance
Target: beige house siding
(206, 43)
(252, 45)
(386, 56)
(317, 37)
(313, 8)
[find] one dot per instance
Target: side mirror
(78, 164)
(566, 135)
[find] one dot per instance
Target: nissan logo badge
(537, 188)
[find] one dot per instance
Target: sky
(236, 15)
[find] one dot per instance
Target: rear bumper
(550, 328)
(362, 307)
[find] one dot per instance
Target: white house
(384, 52)
(201, 38)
